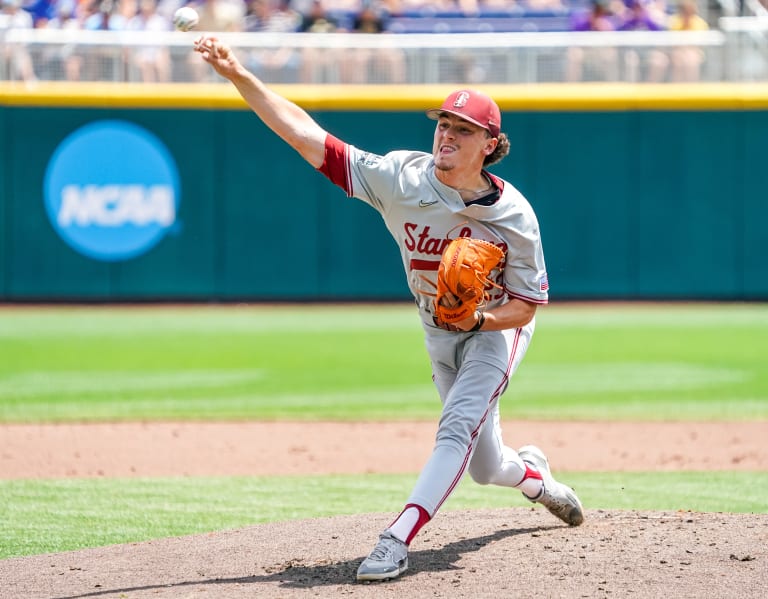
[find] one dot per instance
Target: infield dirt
(509, 553)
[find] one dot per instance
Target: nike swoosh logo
(424, 204)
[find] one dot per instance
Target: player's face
(458, 143)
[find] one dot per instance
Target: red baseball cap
(472, 106)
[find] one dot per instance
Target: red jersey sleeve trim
(533, 300)
(336, 163)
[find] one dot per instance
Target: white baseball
(185, 18)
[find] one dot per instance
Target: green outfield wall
(642, 192)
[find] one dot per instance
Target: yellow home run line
(519, 97)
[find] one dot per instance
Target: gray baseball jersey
(422, 215)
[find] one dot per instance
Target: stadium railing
(735, 53)
(746, 42)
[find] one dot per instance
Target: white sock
(531, 487)
(402, 527)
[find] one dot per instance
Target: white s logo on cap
(461, 100)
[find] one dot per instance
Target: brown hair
(502, 149)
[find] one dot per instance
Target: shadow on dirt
(298, 575)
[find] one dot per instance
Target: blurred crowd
(681, 64)
(369, 16)
(244, 15)
(358, 16)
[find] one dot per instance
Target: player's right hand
(217, 54)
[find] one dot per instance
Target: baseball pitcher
(471, 249)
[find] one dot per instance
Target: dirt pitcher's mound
(499, 554)
(521, 552)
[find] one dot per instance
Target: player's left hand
(449, 300)
(468, 323)
(463, 280)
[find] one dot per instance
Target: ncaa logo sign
(111, 190)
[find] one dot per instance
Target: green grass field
(369, 362)
(612, 362)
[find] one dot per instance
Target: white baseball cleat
(389, 559)
(558, 498)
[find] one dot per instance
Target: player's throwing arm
(286, 119)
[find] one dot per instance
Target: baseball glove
(463, 278)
